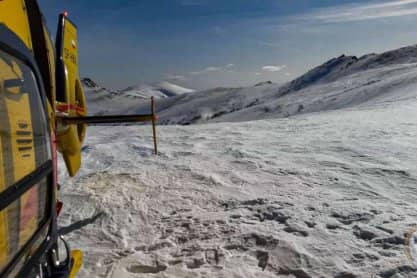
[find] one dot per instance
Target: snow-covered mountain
(159, 90)
(142, 92)
(102, 101)
(341, 82)
(343, 66)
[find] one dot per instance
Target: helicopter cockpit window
(24, 148)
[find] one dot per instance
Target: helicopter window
(24, 149)
(20, 220)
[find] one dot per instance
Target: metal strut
(114, 119)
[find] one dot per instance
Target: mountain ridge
(340, 82)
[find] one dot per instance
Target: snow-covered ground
(321, 194)
(330, 192)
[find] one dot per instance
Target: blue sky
(208, 43)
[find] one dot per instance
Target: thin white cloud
(176, 77)
(211, 69)
(368, 11)
(195, 72)
(273, 68)
(258, 73)
(389, 4)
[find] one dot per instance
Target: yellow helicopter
(42, 112)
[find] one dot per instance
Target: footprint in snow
(139, 268)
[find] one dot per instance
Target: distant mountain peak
(269, 82)
(173, 88)
(162, 89)
(345, 65)
(88, 82)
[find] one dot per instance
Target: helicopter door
(25, 165)
(69, 95)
